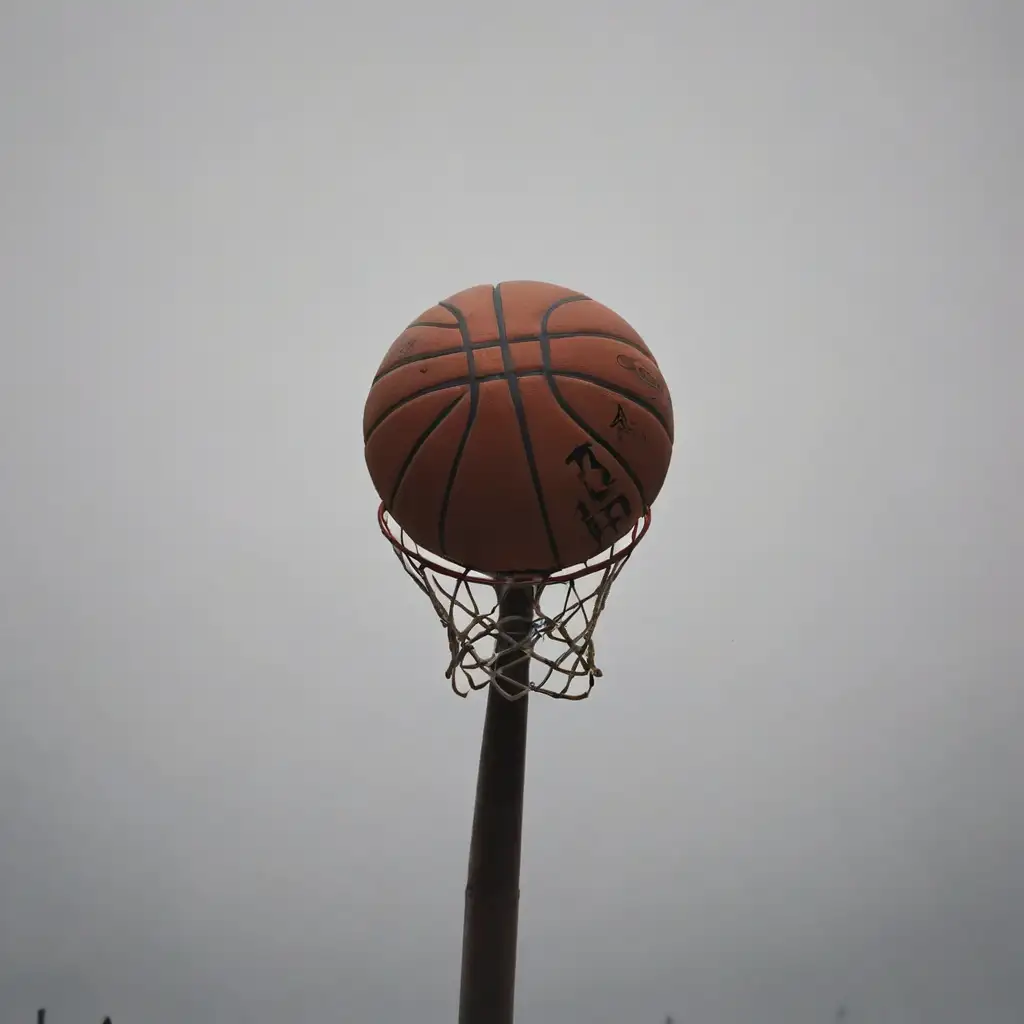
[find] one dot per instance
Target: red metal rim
(640, 528)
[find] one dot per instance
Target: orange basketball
(518, 428)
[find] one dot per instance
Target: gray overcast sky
(235, 786)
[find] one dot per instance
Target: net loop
(566, 608)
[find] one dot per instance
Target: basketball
(518, 428)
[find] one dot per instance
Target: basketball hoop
(566, 607)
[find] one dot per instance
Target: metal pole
(491, 924)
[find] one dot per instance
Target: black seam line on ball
(474, 401)
(420, 441)
(517, 339)
(545, 354)
(524, 429)
(459, 382)
(433, 323)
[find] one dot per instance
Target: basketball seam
(546, 373)
(438, 420)
(474, 401)
(524, 430)
(545, 354)
(518, 339)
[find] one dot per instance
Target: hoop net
(566, 608)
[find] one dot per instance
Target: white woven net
(566, 609)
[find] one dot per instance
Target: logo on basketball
(624, 427)
(620, 423)
(649, 377)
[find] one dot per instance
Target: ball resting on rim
(566, 607)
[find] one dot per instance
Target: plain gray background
(235, 786)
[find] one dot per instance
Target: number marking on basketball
(604, 510)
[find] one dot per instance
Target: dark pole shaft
(492, 889)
